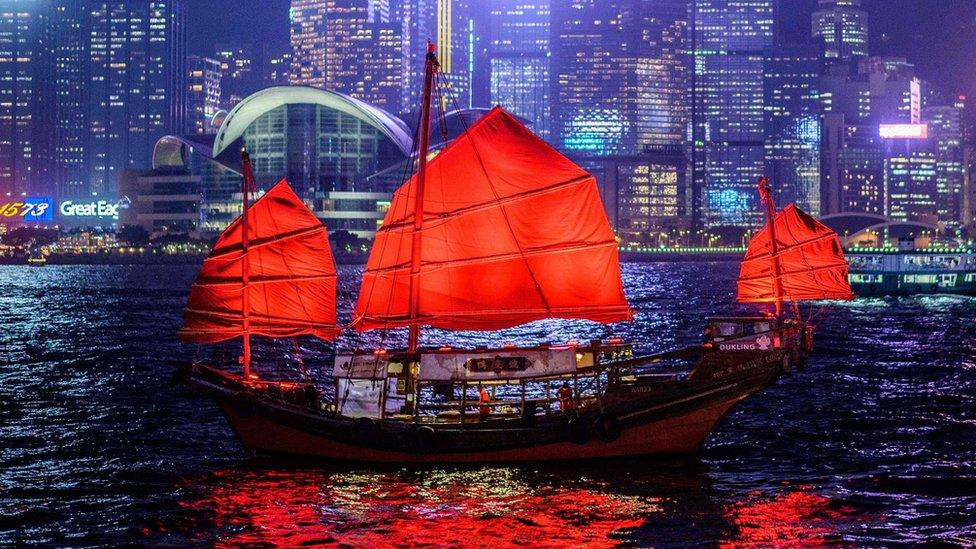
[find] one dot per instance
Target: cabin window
(921, 279)
(859, 278)
(947, 280)
(970, 277)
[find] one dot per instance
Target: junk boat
(497, 230)
(907, 270)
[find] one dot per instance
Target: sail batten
(290, 278)
(512, 232)
(809, 260)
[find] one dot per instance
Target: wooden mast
(430, 68)
(766, 197)
(247, 183)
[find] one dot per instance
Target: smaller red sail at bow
(291, 276)
(809, 258)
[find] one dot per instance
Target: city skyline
(896, 30)
(676, 106)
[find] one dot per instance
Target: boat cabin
(445, 384)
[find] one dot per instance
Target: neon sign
(100, 209)
(904, 131)
(29, 209)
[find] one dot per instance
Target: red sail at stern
(292, 277)
(811, 262)
(513, 232)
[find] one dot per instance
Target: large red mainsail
(512, 232)
(810, 262)
(292, 279)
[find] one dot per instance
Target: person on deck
(483, 399)
(565, 395)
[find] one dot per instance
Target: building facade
(450, 25)
(619, 75)
(945, 130)
(841, 29)
(26, 97)
(519, 59)
(136, 84)
(792, 124)
(203, 93)
(730, 37)
(327, 145)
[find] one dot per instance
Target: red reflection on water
(787, 520)
(442, 509)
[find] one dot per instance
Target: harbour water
(872, 444)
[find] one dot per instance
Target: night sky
(939, 36)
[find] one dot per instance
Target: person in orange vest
(565, 395)
(483, 399)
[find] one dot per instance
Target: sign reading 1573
(28, 209)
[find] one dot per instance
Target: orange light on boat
(573, 342)
(508, 345)
(615, 340)
(379, 352)
(445, 348)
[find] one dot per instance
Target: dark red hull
(649, 417)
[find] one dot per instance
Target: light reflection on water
(871, 444)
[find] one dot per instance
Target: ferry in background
(906, 270)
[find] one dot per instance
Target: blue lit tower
(730, 38)
(519, 59)
(841, 28)
(71, 90)
(449, 24)
(619, 75)
(136, 85)
(26, 96)
(791, 124)
(350, 46)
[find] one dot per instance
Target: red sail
(513, 232)
(811, 262)
(292, 278)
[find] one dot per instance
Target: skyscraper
(519, 59)
(136, 86)
(619, 75)
(730, 37)
(792, 124)
(71, 132)
(350, 46)
(308, 42)
(449, 24)
(945, 130)
(841, 28)
(203, 93)
(26, 96)
(241, 72)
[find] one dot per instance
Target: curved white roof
(257, 104)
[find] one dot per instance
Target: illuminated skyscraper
(945, 130)
(203, 93)
(71, 132)
(308, 42)
(350, 46)
(911, 179)
(792, 124)
(449, 24)
(26, 96)
(241, 71)
(519, 59)
(841, 27)
(730, 37)
(136, 84)
(619, 75)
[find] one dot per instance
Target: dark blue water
(873, 444)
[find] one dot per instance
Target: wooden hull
(648, 417)
(674, 435)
